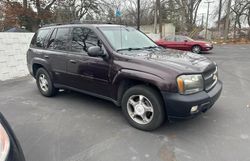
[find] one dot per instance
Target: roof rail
(90, 22)
(77, 22)
(51, 24)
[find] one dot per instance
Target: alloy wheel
(43, 82)
(140, 109)
(196, 49)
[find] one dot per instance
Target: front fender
(140, 76)
(127, 74)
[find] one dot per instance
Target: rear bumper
(30, 69)
(179, 106)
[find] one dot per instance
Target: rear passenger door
(56, 53)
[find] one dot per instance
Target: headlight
(208, 45)
(188, 84)
(4, 144)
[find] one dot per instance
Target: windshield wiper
(150, 47)
(129, 49)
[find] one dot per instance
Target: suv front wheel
(143, 107)
(44, 83)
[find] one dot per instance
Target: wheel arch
(40, 63)
(196, 45)
(127, 79)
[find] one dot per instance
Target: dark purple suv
(123, 65)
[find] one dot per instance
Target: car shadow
(85, 99)
(207, 52)
(96, 104)
(202, 125)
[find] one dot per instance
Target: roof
(81, 25)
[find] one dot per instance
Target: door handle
(73, 61)
(46, 56)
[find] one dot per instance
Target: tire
(196, 49)
(44, 83)
(153, 107)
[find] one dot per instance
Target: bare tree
(239, 8)
(188, 10)
(130, 11)
(79, 8)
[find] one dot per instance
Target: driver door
(90, 74)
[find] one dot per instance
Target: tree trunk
(25, 4)
(155, 19)
(219, 16)
(239, 24)
(227, 25)
(248, 21)
(235, 23)
(160, 16)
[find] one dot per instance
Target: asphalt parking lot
(77, 127)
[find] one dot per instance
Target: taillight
(4, 144)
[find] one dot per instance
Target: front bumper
(207, 48)
(179, 106)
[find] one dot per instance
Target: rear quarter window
(39, 38)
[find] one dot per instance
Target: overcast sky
(212, 9)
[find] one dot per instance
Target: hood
(180, 61)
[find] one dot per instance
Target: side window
(169, 38)
(39, 38)
(92, 39)
(59, 39)
(51, 42)
(83, 38)
(179, 38)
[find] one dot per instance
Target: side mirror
(185, 40)
(95, 51)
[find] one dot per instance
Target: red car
(184, 43)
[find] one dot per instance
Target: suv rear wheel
(143, 107)
(44, 83)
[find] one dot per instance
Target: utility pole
(219, 17)
(202, 20)
(158, 2)
(155, 19)
(25, 4)
(208, 5)
(227, 20)
(138, 14)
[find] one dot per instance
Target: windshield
(126, 38)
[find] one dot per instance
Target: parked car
(123, 65)
(184, 43)
(10, 149)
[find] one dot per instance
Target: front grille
(210, 78)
